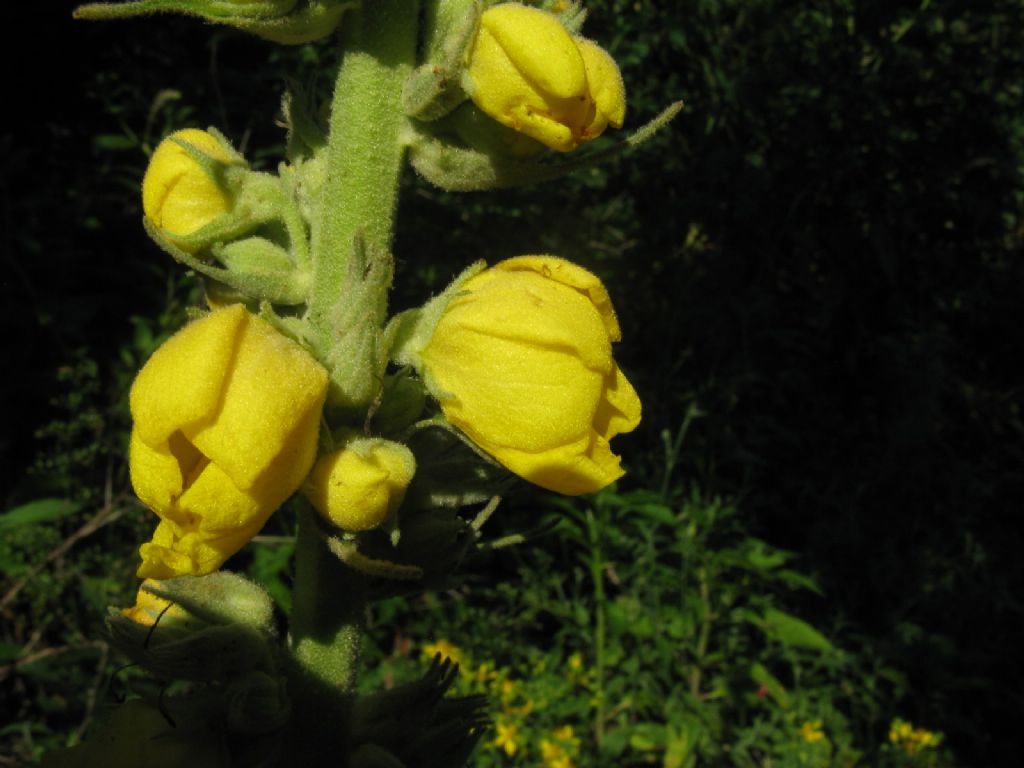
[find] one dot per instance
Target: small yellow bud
(178, 195)
(359, 486)
(226, 415)
(528, 73)
(521, 361)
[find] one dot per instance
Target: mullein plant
(395, 434)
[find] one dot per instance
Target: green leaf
(9, 652)
(794, 632)
(646, 737)
(760, 675)
(115, 142)
(38, 511)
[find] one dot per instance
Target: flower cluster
(912, 740)
(295, 379)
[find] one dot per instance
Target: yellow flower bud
(526, 72)
(521, 361)
(226, 415)
(359, 486)
(178, 195)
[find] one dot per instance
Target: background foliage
(819, 274)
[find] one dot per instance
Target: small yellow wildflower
(812, 732)
(555, 755)
(508, 689)
(447, 650)
(576, 662)
(565, 733)
(910, 739)
(506, 738)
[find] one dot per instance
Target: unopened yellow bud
(178, 194)
(528, 73)
(359, 486)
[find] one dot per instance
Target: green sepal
(402, 400)
(348, 551)
(357, 355)
(214, 653)
(221, 597)
(212, 10)
(461, 169)
(306, 135)
(276, 20)
(417, 725)
(482, 133)
(435, 88)
(278, 288)
(571, 16)
(408, 333)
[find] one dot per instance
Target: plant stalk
(364, 157)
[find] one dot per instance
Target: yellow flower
(812, 732)
(358, 486)
(521, 361)
(226, 415)
(447, 650)
(178, 195)
(910, 739)
(564, 733)
(505, 740)
(554, 755)
(528, 73)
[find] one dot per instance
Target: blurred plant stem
(596, 563)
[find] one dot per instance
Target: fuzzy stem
(364, 158)
(326, 627)
(365, 153)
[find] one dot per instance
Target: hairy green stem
(326, 628)
(365, 152)
(364, 160)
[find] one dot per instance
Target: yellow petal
(182, 383)
(539, 47)
(604, 82)
(272, 385)
(573, 275)
(619, 410)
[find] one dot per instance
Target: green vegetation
(819, 274)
